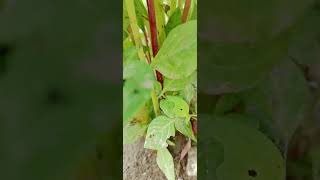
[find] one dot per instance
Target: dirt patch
(140, 163)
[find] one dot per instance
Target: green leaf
(173, 6)
(177, 59)
(243, 147)
(284, 98)
(125, 22)
(183, 125)
(165, 162)
(132, 132)
(194, 10)
(160, 20)
(174, 106)
(130, 54)
(174, 20)
(127, 43)
(174, 84)
(234, 67)
(137, 88)
(141, 13)
(188, 93)
(159, 130)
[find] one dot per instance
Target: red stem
(186, 11)
(153, 27)
(154, 35)
(147, 43)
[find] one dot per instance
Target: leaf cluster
(151, 108)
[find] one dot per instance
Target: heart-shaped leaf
(174, 106)
(248, 154)
(177, 58)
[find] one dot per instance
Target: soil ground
(140, 163)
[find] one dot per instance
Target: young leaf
(167, 107)
(174, 106)
(184, 126)
(177, 59)
(165, 162)
(141, 13)
(174, 20)
(159, 130)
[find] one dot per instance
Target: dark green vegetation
(258, 86)
(160, 63)
(57, 110)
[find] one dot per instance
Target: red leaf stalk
(154, 35)
(186, 11)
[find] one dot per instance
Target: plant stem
(134, 27)
(153, 27)
(155, 103)
(148, 55)
(154, 34)
(186, 11)
(137, 42)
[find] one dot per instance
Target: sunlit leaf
(174, 106)
(184, 126)
(177, 59)
(165, 162)
(159, 130)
